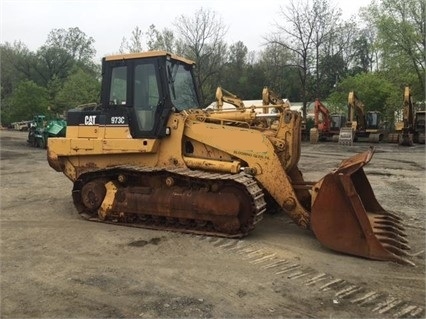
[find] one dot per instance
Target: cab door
(135, 87)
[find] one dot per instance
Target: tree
(362, 57)
(79, 88)
(135, 44)
(337, 59)
(401, 36)
(277, 65)
(64, 51)
(74, 41)
(325, 28)
(27, 100)
(157, 40)
(255, 81)
(17, 64)
(233, 76)
(311, 31)
(298, 32)
(332, 68)
(30, 82)
(53, 63)
(201, 39)
(373, 89)
(366, 52)
(237, 55)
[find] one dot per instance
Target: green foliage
(33, 82)
(53, 63)
(79, 88)
(280, 75)
(331, 68)
(233, 75)
(74, 41)
(16, 63)
(27, 100)
(401, 37)
(375, 91)
(361, 56)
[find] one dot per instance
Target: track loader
(149, 156)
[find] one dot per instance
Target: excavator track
(178, 199)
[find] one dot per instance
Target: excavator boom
(149, 156)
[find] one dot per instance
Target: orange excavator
(149, 156)
(326, 126)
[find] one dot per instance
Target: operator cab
(140, 90)
(147, 87)
(373, 120)
(337, 121)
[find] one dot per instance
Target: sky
(108, 21)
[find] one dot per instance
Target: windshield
(181, 86)
(336, 121)
(372, 119)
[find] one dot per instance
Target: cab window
(181, 86)
(146, 95)
(118, 92)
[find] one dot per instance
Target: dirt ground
(56, 265)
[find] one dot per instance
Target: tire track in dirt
(379, 303)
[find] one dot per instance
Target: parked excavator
(361, 125)
(412, 127)
(326, 126)
(148, 156)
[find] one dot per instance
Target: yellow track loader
(149, 156)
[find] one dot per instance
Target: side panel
(75, 155)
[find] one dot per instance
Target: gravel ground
(56, 265)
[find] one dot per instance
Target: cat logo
(90, 120)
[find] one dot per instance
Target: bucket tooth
(395, 250)
(393, 242)
(388, 222)
(383, 235)
(390, 229)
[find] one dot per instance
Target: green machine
(40, 130)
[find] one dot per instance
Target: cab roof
(148, 54)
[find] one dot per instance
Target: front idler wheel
(92, 195)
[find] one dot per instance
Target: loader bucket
(346, 216)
